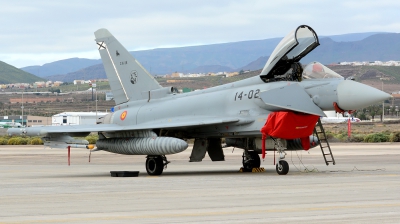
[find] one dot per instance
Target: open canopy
(291, 49)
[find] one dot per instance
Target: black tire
(283, 169)
(154, 165)
(255, 161)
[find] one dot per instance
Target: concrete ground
(37, 186)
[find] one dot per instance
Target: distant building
(57, 83)
(76, 118)
(177, 75)
(371, 63)
(34, 100)
(39, 84)
(178, 81)
(76, 82)
(109, 96)
(230, 74)
(29, 121)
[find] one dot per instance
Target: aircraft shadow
(166, 174)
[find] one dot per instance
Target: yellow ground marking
(254, 170)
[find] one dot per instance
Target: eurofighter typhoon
(276, 110)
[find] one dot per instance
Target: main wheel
(252, 162)
(154, 165)
(282, 167)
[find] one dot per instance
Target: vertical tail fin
(127, 77)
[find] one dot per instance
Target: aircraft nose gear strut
(282, 167)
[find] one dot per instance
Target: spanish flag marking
(123, 115)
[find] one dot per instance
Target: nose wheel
(282, 167)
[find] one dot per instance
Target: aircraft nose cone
(354, 95)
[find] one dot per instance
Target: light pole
(22, 107)
(96, 106)
(383, 107)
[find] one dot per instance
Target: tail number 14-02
(250, 95)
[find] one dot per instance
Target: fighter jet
(155, 121)
(339, 119)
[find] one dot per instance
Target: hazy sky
(35, 32)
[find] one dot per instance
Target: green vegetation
(36, 141)
(393, 71)
(11, 74)
(341, 136)
(70, 87)
(66, 87)
(384, 136)
(376, 137)
(394, 137)
(92, 138)
(24, 140)
(20, 140)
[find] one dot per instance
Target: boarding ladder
(323, 143)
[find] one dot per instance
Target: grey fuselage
(233, 100)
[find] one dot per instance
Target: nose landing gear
(282, 167)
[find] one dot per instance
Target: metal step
(324, 140)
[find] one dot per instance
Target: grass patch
(376, 137)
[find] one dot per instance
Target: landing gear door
(292, 48)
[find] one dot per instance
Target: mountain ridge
(237, 55)
(10, 74)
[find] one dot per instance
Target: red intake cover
(290, 125)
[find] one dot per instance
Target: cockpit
(284, 62)
(316, 70)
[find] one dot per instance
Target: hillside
(371, 75)
(246, 55)
(91, 72)
(350, 37)
(366, 74)
(11, 74)
(210, 68)
(255, 65)
(378, 47)
(61, 67)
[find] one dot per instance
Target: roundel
(134, 77)
(123, 115)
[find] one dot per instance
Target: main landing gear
(250, 160)
(155, 165)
